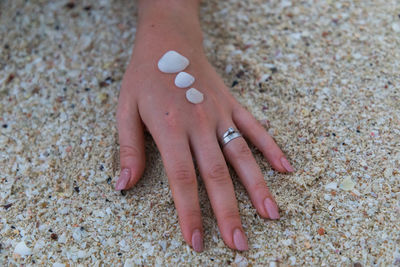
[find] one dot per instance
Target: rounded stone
(194, 96)
(172, 62)
(184, 79)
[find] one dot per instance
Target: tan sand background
(325, 74)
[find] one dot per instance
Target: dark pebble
(333, 134)
(119, 253)
(49, 196)
(77, 189)
(70, 5)
(12, 227)
(10, 78)
(6, 46)
(87, 89)
(109, 180)
(240, 74)
(54, 236)
(101, 168)
(357, 264)
(82, 228)
(50, 230)
(87, 8)
(123, 192)
(57, 27)
(5, 125)
(107, 200)
(357, 131)
(274, 69)
(7, 206)
(234, 83)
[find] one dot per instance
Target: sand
(323, 76)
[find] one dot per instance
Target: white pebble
(184, 79)
(129, 262)
(194, 96)
(396, 27)
(22, 249)
(332, 186)
(57, 264)
(172, 62)
(228, 68)
(241, 261)
(347, 184)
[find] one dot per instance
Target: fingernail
(272, 209)
(123, 179)
(197, 241)
(240, 240)
(286, 164)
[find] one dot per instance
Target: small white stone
(194, 96)
(331, 186)
(129, 263)
(57, 264)
(396, 27)
(241, 261)
(184, 79)
(347, 184)
(172, 62)
(22, 249)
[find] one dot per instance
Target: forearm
(163, 24)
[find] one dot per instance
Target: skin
(149, 100)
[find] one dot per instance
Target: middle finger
(215, 173)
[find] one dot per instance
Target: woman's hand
(183, 130)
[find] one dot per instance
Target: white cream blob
(172, 62)
(184, 79)
(194, 96)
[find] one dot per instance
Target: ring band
(229, 135)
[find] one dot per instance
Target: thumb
(131, 141)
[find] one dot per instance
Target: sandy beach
(322, 76)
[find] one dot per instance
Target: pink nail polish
(123, 179)
(272, 209)
(197, 241)
(286, 164)
(240, 240)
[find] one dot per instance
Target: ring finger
(239, 155)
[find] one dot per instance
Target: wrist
(169, 25)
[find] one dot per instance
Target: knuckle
(259, 186)
(127, 151)
(219, 173)
(191, 214)
(243, 151)
(183, 174)
(202, 117)
(231, 215)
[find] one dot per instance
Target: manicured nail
(286, 164)
(240, 240)
(123, 179)
(272, 209)
(197, 241)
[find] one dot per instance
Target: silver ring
(229, 135)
